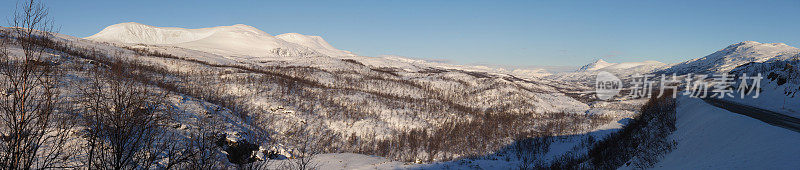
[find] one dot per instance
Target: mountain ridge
(602, 65)
(235, 40)
(732, 56)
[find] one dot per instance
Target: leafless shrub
(306, 147)
(642, 142)
(493, 118)
(34, 132)
(125, 121)
(203, 151)
(529, 150)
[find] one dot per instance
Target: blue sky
(521, 33)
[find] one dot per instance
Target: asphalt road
(766, 116)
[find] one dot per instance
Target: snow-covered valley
(293, 100)
(401, 109)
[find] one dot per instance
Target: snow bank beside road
(713, 138)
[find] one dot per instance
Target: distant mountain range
(247, 42)
(236, 40)
(602, 65)
(733, 56)
(721, 61)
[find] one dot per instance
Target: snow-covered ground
(352, 161)
(707, 138)
(376, 98)
(713, 138)
(773, 98)
(383, 97)
(778, 87)
(559, 146)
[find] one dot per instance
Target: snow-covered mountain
(734, 55)
(292, 82)
(602, 65)
(779, 87)
(236, 40)
(299, 81)
(587, 72)
(724, 60)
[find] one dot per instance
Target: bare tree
(177, 151)
(306, 149)
(204, 150)
(34, 134)
(125, 121)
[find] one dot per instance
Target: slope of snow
(313, 42)
(246, 44)
(586, 74)
(414, 65)
(506, 159)
(530, 72)
(596, 65)
(236, 40)
(712, 138)
(602, 65)
(732, 56)
(631, 65)
(335, 161)
(778, 88)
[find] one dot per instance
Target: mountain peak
(246, 27)
(234, 40)
(241, 25)
(735, 55)
(291, 34)
(596, 65)
(600, 61)
(601, 64)
(757, 47)
(754, 44)
(127, 26)
(749, 42)
(129, 23)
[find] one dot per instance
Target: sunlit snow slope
(713, 138)
(602, 65)
(236, 40)
(733, 56)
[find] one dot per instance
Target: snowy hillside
(402, 109)
(137, 96)
(246, 44)
(596, 65)
(358, 104)
(745, 54)
(602, 65)
(712, 138)
(585, 75)
(732, 56)
(779, 87)
(237, 40)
